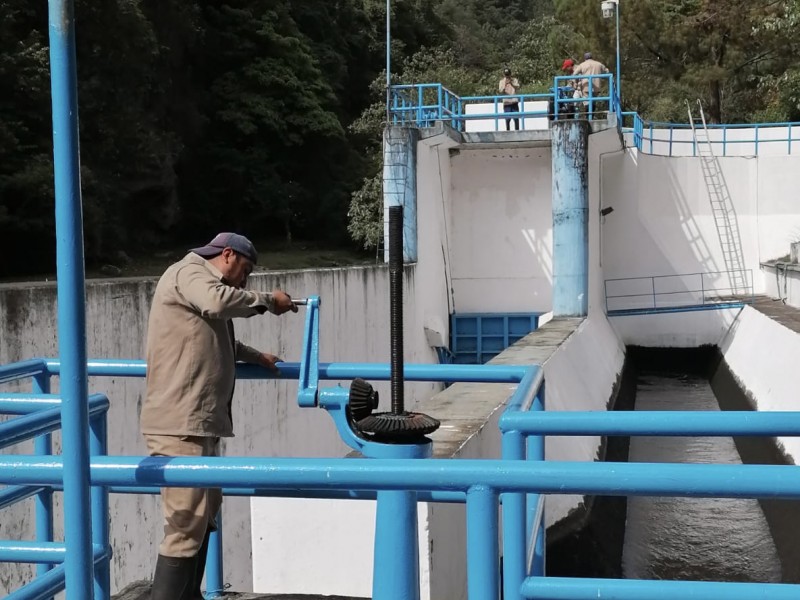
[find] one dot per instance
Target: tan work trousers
(188, 512)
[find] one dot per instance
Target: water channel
(719, 539)
(699, 539)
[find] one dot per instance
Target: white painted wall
(500, 238)
(662, 209)
(580, 375)
(499, 124)
(267, 420)
(675, 330)
(770, 378)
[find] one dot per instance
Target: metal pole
(71, 301)
(43, 446)
(619, 72)
(215, 584)
(388, 60)
(98, 445)
(396, 568)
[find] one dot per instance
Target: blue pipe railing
(518, 481)
(480, 479)
(36, 415)
(669, 139)
(45, 409)
(424, 104)
(651, 423)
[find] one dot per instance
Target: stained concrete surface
(786, 315)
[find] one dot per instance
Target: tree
(718, 50)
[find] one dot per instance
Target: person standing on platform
(589, 66)
(509, 86)
(191, 372)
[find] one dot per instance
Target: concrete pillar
(400, 186)
(570, 141)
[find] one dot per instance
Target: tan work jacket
(589, 67)
(191, 350)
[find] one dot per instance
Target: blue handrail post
(483, 578)
(43, 446)
(536, 451)
(420, 104)
(396, 570)
(215, 583)
(98, 445)
(513, 448)
(439, 101)
(79, 567)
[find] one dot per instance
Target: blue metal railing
(658, 423)
(17, 403)
(735, 139)
(424, 104)
(678, 293)
(483, 480)
(36, 416)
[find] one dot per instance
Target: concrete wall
(770, 378)
(783, 282)
(662, 210)
(501, 230)
(499, 124)
(353, 327)
(675, 330)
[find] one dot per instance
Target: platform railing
(425, 104)
(678, 293)
(215, 585)
(36, 416)
(520, 478)
(730, 139)
(647, 479)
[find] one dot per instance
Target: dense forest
(265, 116)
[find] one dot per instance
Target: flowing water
(692, 538)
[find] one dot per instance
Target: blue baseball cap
(234, 241)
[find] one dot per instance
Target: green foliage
(265, 116)
(366, 213)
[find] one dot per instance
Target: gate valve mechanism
(397, 426)
(404, 428)
(362, 401)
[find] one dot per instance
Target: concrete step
(141, 591)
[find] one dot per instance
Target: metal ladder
(722, 208)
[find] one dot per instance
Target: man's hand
(282, 302)
(268, 360)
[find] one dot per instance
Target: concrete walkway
(786, 315)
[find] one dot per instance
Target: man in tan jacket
(589, 66)
(191, 358)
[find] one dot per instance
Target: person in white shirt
(509, 86)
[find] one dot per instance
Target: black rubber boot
(200, 568)
(173, 579)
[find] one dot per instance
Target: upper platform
(481, 120)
